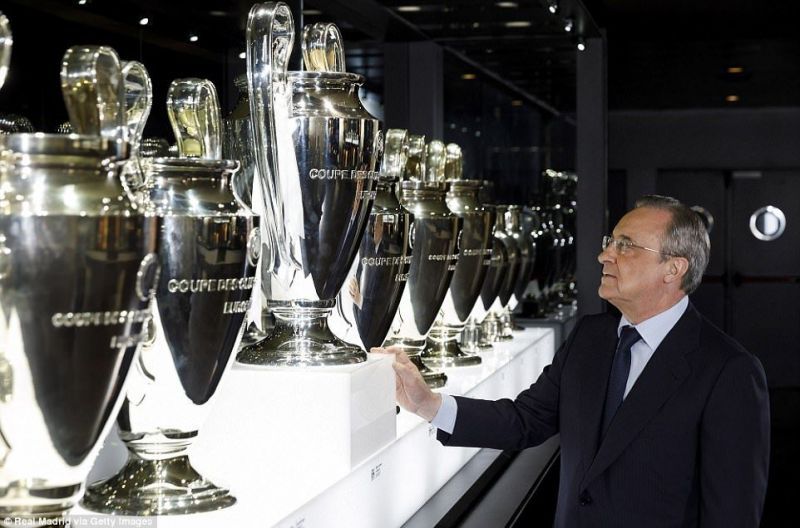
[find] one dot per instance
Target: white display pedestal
(298, 453)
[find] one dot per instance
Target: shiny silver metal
(369, 300)
(238, 144)
(436, 231)
(491, 325)
(322, 48)
(72, 309)
(6, 41)
(208, 247)
(474, 258)
(317, 150)
(527, 250)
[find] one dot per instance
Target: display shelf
(279, 481)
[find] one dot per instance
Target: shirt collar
(655, 329)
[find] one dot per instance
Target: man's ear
(676, 269)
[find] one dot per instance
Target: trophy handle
(395, 153)
(93, 90)
(322, 48)
(193, 111)
(138, 101)
(5, 47)
(435, 161)
(415, 159)
(454, 164)
(270, 37)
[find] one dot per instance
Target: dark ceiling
(661, 53)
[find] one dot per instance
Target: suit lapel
(659, 380)
(593, 385)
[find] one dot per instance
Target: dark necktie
(620, 369)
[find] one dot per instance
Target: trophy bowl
(317, 152)
(433, 262)
(442, 349)
(73, 252)
(207, 252)
(369, 300)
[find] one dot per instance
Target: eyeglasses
(622, 246)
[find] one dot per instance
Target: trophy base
(156, 487)
(440, 354)
(303, 342)
(37, 506)
(435, 379)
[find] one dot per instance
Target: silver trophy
(474, 258)
(317, 151)
(207, 252)
(74, 261)
(492, 327)
(434, 252)
(369, 300)
(527, 255)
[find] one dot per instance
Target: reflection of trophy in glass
(207, 248)
(474, 257)
(317, 152)
(368, 302)
(74, 256)
(492, 327)
(434, 254)
(527, 252)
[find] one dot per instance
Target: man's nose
(606, 255)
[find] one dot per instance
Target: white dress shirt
(653, 331)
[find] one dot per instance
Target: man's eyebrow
(625, 238)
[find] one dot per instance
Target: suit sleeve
(526, 421)
(734, 447)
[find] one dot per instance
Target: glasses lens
(606, 241)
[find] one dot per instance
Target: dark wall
(643, 142)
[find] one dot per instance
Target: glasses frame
(609, 240)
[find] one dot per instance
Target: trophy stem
(435, 379)
(301, 338)
(472, 338)
(26, 505)
(493, 329)
(156, 486)
(443, 350)
(508, 325)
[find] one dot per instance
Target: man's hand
(411, 391)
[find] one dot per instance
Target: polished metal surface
(206, 261)
(474, 258)
(317, 150)
(433, 262)
(72, 312)
(6, 41)
(511, 264)
(203, 272)
(322, 48)
(15, 124)
(527, 249)
(238, 144)
(369, 300)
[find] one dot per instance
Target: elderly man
(664, 420)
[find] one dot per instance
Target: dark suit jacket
(688, 447)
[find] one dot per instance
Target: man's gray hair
(686, 236)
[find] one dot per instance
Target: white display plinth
(297, 452)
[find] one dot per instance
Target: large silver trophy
(74, 256)
(368, 302)
(317, 151)
(206, 261)
(474, 258)
(434, 252)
